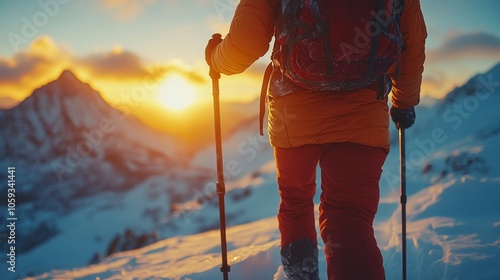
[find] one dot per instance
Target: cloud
(25, 63)
(13, 71)
(44, 56)
(44, 60)
(125, 10)
(467, 45)
(25, 69)
(117, 64)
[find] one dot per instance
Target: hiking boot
(300, 260)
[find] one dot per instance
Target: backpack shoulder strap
(400, 4)
(263, 94)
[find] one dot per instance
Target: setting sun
(176, 93)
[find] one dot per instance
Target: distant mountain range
(69, 147)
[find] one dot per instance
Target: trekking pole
(221, 188)
(402, 156)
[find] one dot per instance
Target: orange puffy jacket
(316, 117)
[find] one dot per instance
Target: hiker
(343, 126)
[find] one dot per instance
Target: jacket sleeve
(406, 86)
(251, 31)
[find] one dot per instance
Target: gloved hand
(209, 50)
(403, 118)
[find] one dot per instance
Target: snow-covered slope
(453, 187)
(254, 254)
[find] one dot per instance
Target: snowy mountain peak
(69, 84)
(63, 104)
(480, 85)
(69, 79)
(67, 75)
(64, 110)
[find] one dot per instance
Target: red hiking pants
(350, 175)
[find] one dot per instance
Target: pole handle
(216, 40)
